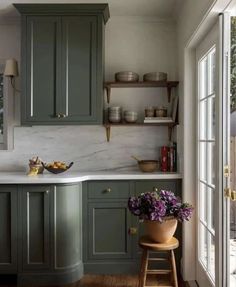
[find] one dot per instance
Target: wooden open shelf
(108, 126)
(157, 84)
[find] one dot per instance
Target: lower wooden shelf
(108, 126)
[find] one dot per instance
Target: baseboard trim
(51, 278)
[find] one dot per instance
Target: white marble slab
(73, 177)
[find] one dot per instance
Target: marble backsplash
(86, 146)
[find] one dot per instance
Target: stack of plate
(155, 76)
(130, 116)
(126, 77)
(114, 114)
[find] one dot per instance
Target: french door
(216, 102)
(208, 191)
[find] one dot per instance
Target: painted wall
(132, 43)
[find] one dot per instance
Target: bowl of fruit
(57, 166)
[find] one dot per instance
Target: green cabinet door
(41, 69)
(108, 230)
(81, 69)
(67, 227)
(8, 229)
(36, 242)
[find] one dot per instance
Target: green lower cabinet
(108, 237)
(110, 232)
(8, 229)
(51, 234)
(36, 240)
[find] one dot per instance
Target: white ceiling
(154, 8)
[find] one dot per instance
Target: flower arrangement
(158, 206)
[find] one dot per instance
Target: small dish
(58, 169)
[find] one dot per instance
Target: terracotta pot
(161, 232)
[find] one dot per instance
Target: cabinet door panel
(67, 226)
(79, 66)
(108, 226)
(42, 68)
(8, 229)
(36, 224)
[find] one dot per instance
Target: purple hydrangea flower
(155, 206)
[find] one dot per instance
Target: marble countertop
(73, 177)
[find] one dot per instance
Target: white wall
(132, 43)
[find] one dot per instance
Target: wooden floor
(122, 281)
(111, 281)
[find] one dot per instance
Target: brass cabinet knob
(155, 189)
(60, 115)
(133, 230)
(108, 190)
(47, 192)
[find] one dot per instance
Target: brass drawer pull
(155, 189)
(59, 116)
(108, 190)
(133, 230)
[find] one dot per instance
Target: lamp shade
(11, 68)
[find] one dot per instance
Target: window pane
(203, 79)
(203, 121)
(211, 209)
(211, 118)
(203, 202)
(211, 84)
(203, 244)
(1, 108)
(211, 163)
(211, 267)
(203, 161)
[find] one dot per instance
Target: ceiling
(151, 8)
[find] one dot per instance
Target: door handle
(231, 194)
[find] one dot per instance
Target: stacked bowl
(130, 116)
(114, 114)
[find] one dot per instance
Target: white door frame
(188, 126)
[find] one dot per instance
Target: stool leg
(174, 268)
(143, 271)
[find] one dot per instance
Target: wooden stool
(147, 245)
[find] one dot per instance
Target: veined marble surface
(73, 177)
(86, 146)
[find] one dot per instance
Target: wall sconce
(11, 70)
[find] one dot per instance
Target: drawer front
(156, 185)
(108, 189)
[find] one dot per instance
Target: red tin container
(164, 158)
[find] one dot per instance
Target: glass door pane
(206, 162)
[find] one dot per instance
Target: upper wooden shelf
(157, 84)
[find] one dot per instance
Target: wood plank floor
(123, 281)
(112, 281)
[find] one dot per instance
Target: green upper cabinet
(62, 63)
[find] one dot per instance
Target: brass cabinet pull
(60, 115)
(133, 230)
(155, 189)
(47, 192)
(108, 190)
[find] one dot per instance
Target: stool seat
(146, 243)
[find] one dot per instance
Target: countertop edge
(22, 178)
